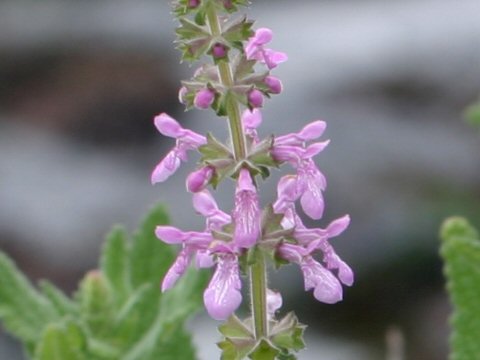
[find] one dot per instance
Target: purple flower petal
(246, 214)
(222, 296)
(199, 179)
(326, 286)
(251, 119)
(176, 270)
(165, 168)
(274, 302)
(168, 126)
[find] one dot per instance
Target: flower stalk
(246, 240)
(258, 293)
(225, 74)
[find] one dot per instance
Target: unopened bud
(219, 51)
(199, 179)
(192, 4)
(255, 98)
(274, 84)
(204, 98)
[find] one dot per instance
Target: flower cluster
(229, 240)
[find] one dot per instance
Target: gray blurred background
(80, 82)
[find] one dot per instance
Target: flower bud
(255, 98)
(199, 179)
(219, 51)
(274, 84)
(227, 4)
(204, 98)
(192, 4)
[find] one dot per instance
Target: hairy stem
(258, 274)
(226, 78)
(258, 289)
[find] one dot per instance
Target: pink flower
(199, 179)
(246, 214)
(222, 296)
(310, 182)
(204, 98)
(274, 302)
(251, 119)
(254, 49)
(191, 241)
(186, 140)
(326, 285)
(309, 132)
(205, 204)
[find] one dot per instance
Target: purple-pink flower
(199, 179)
(222, 296)
(251, 119)
(327, 287)
(191, 242)
(255, 50)
(309, 181)
(246, 215)
(186, 140)
(205, 204)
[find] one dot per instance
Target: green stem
(226, 78)
(258, 289)
(258, 273)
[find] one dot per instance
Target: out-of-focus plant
(118, 312)
(460, 251)
(472, 114)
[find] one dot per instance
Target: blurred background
(80, 82)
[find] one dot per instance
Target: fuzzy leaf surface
(461, 252)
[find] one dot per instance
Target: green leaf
(461, 252)
(238, 30)
(186, 298)
(96, 303)
(62, 303)
(150, 258)
(233, 349)
(23, 310)
(190, 30)
(137, 315)
(62, 342)
(214, 149)
(114, 262)
(472, 114)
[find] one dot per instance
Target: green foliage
(472, 114)
(461, 252)
(118, 312)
